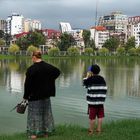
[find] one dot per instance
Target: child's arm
(86, 79)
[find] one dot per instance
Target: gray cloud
(80, 13)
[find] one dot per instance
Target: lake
(69, 106)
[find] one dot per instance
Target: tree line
(67, 42)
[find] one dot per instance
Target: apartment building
(14, 24)
(134, 20)
(100, 35)
(115, 22)
(2, 25)
(31, 25)
(134, 29)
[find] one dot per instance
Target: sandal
(90, 132)
(32, 137)
(46, 136)
(98, 131)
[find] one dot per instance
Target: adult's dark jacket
(40, 81)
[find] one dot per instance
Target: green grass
(119, 130)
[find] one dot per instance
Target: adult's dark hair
(37, 54)
(95, 69)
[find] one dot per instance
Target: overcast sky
(79, 13)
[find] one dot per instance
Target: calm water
(69, 105)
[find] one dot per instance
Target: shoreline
(114, 130)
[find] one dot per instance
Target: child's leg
(100, 117)
(92, 118)
(91, 125)
(99, 126)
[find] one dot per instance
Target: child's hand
(89, 74)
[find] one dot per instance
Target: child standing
(96, 94)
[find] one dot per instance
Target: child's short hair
(95, 69)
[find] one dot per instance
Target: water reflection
(122, 75)
(69, 106)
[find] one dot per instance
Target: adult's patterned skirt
(40, 119)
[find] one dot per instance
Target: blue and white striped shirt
(96, 90)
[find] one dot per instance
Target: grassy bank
(120, 130)
(2, 56)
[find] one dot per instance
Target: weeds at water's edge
(119, 130)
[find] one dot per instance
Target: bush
(13, 49)
(54, 51)
(89, 51)
(138, 51)
(103, 51)
(31, 49)
(120, 50)
(73, 51)
(132, 52)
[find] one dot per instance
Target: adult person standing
(39, 86)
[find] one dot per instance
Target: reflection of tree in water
(69, 70)
(19, 65)
(66, 65)
(122, 76)
(3, 71)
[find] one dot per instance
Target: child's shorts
(96, 110)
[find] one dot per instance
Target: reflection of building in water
(123, 81)
(134, 84)
(73, 77)
(64, 82)
(15, 82)
(120, 83)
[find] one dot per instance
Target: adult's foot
(46, 136)
(33, 137)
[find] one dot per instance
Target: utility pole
(96, 16)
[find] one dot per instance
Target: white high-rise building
(115, 22)
(135, 31)
(14, 24)
(35, 24)
(65, 27)
(100, 35)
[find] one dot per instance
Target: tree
(138, 51)
(121, 50)
(66, 40)
(2, 42)
(130, 43)
(13, 49)
(103, 51)
(132, 51)
(31, 48)
(111, 44)
(54, 51)
(1, 34)
(92, 44)
(86, 37)
(35, 38)
(23, 43)
(7, 38)
(89, 51)
(73, 51)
